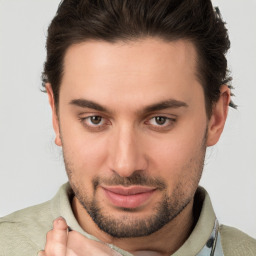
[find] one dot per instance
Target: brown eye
(95, 123)
(160, 120)
(161, 123)
(95, 120)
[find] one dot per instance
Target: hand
(60, 242)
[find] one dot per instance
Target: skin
(127, 78)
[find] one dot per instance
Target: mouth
(128, 197)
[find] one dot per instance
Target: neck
(164, 242)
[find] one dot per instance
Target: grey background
(31, 168)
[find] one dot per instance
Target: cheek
(86, 153)
(179, 154)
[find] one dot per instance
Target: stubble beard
(128, 226)
(164, 212)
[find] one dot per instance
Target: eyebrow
(83, 103)
(170, 103)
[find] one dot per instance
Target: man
(138, 91)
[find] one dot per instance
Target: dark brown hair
(114, 20)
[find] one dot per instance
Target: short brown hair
(114, 20)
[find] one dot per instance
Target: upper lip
(131, 190)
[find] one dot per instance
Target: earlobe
(55, 120)
(219, 115)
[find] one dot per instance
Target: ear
(219, 116)
(55, 120)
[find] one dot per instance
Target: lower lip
(128, 201)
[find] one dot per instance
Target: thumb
(60, 224)
(56, 239)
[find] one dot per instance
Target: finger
(60, 224)
(56, 239)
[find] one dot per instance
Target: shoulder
(23, 232)
(236, 243)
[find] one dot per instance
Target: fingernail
(60, 219)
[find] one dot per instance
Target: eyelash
(96, 127)
(164, 127)
(93, 127)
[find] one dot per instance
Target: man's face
(133, 128)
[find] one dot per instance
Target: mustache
(137, 178)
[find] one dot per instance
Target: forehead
(151, 52)
(130, 71)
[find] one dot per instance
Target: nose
(127, 154)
